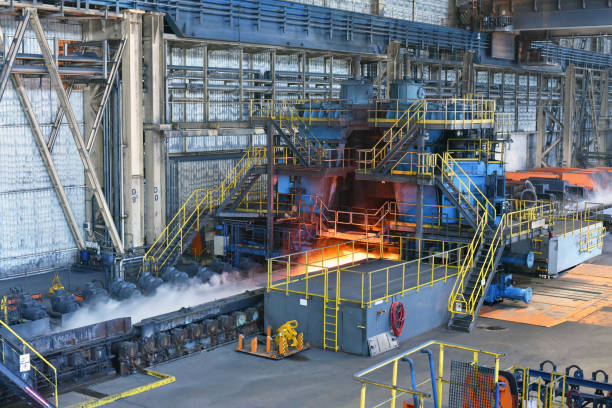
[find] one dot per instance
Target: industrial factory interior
(306, 203)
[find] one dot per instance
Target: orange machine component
(592, 179)
(196, 246)
(477, 394)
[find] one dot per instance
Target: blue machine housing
(503, 289)
(357, 91)
(490, 180)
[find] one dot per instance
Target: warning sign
(24, 363)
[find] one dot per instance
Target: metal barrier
(305, 111)
(473, 383)
(447, 113)
(476, 150)
(540, 393)
(418, 263)
(42, 370)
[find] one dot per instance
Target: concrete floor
(316, 378)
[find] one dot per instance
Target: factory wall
(34, 234)
(202, 159)
(422, 11)
(187, 102)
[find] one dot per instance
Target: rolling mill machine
(359, 202)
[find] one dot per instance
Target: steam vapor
(167, 298)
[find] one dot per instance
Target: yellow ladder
(330, 313)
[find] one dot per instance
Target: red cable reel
(397, 318)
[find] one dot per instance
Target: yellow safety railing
(421, 377)
(199, 203)
(419, 262)
(44, 371)
(451, 173)
(448, 112)
(308, 111)
(515, 224)
(540, 393)
(369, 159)
(492, 151)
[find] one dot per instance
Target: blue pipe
(413, 378)
(498, 386)
(434, 386)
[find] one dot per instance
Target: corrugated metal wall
(422, 11)
(186, 172)
(34, 234)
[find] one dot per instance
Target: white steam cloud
(167, 298)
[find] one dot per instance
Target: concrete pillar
(467, 77)
(155, 169)
(378, 7)
(96, 30)
(356, 66)
(133, 152)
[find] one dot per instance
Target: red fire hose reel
(397, 318)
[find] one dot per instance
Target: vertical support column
(568, 114)
(540, 135)
(420, 193)
(356, 66)
(241, 82)
(378, 7)
(304, 72)
(604, 120)
(133, 153)
(155, 190)
(331, 77)
(407, 65)
(270, 189)
(205, 81)
(273, 73)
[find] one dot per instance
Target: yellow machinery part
(288, 333)
(56, 284)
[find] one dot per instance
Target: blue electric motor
(503, 289)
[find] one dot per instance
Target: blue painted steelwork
(434, 383)
(519, 259)
(503, 289)
(413, 379)
(565, 55)
(597, 394)
(285, 23)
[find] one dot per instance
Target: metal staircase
(200, 205)
(473, 282)
(477, 284)
(295, 133)
(395, 143)
(244, 185)
(465, 195)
